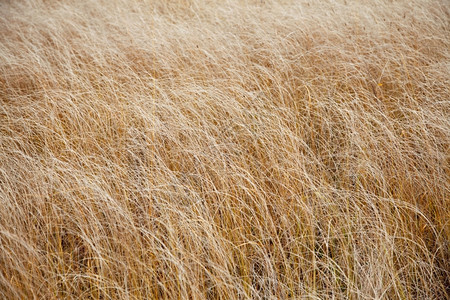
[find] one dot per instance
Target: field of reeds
(236, 149)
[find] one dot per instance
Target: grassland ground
(233, 149)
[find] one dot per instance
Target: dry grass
(224, 149)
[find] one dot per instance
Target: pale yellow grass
(224, 149)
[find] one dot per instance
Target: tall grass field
(234, 149)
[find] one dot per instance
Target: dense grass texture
(236, 149)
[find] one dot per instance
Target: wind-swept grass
(224, 149)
